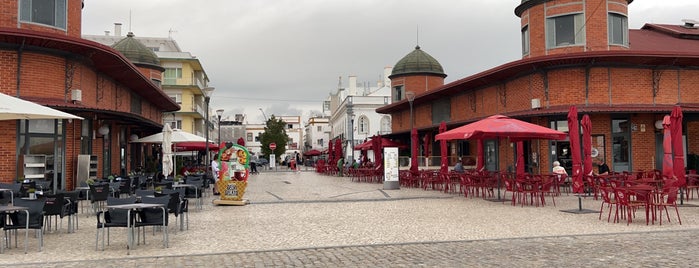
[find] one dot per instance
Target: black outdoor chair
(175, 205)
(74, 198)
(154, 216)
(56, 206)
(98, 195)
(18, 220)
(113, 218)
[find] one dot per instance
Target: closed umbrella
(677, 146)
(480, 162)
(574, 134)
(427, 141)
(377, 148)
(413, 156)
(587, 144)
(331, 153)
(668, 170)
(443, 149)
(520, 159)
(338, 150)
(168, 166)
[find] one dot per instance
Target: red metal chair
(667, 198)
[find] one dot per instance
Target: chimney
(117, 29)
(387, 72)
(106, 33)
(352, 85)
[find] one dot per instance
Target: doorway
(562, 154)
(490, 148)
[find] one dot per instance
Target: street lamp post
(207, 99)
(219, 113)
(350, 127)
(411, 97)
(263, 114)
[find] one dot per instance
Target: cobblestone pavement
(646, 249)
(304, 219)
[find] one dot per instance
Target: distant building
(317, 133)
(352, 111)
(577, 53)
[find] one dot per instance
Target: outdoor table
(26, 228)
(645, 192)
(12, 194)
(196, 193)
(129, 226)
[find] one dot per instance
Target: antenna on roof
(130, 20)
(169, 33)
(417, 36)
(339, 82)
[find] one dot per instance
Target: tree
(275, 132)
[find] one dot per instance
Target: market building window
(363, 125)
(441, 111)
(566, 30)
(525, 40)
(618, 29)
(47, 12)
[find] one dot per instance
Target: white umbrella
(12, 108)
(177, 136)
(168, 165)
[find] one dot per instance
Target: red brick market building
(573, 53)
(43, 59)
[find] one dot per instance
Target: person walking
(215, 170)
(340, 165)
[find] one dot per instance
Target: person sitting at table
(602, 168)
(459, 167)
(559, 170)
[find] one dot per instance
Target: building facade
(577, 53)
(46, 61)
(316, 134)
(352, 112)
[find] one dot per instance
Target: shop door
(490, 148)
(621, 145)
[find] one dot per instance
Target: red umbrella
(443, 149)
(668, 170)
(413, 156)
(480, 163)
(312, 152)
(367, 145)
(331, 154)
(677, 147)
(194, 146)
(500, 126)
(377, 147)
(338, 150)
(427, 140)
(574, 132)
(587, 144)
(520, 159)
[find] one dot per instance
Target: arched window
(385, 124)
(363, 125)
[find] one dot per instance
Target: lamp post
(207, 99)
(411, 97)
(263, 114)
(219, 113)
(350, 127)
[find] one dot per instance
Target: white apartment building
(317, 133)
(352, 110)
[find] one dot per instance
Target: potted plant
(90, 181)
(158, 189)
(110, 178)
(32, 193)
(176, 180)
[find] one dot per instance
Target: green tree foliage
(275, 132)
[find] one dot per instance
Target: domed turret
(417, 62)
(137, 52)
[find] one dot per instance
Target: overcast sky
(285, 56)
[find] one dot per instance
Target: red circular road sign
(272, 146)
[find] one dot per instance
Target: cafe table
(129, 226)
(13, 208)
